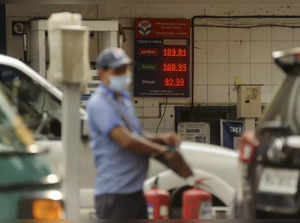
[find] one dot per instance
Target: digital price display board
(162, 57)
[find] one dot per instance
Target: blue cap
(112, 58)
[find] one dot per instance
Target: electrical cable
(163, 115)
(247, 26)
(192, 59)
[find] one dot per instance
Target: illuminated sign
(174, 52)
(174, 82)
(162, 58)
(175, 67)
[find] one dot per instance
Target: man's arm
(170, 138)
(136, 143)
(153, 138)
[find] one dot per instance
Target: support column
(2, 29)
(249, 124)
(110, 39)
(38, 48)
(71, 143)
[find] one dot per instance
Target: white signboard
(194, 131)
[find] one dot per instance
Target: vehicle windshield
(31, 100)
(14, 136)
(297, 107)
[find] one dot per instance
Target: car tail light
(47, 209)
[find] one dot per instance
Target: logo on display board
(231, 131)
(237, 130)
(144, 27)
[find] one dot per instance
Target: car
(40, 104)
(272, 186)
(29, 185)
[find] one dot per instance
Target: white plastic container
(68, 49)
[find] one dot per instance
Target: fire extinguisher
(197, 203)
(158, 202)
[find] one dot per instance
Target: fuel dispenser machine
(103, 34)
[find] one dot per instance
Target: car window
(30, 98)
(14, 136)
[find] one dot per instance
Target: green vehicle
(29, 187)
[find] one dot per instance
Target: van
(30, 187)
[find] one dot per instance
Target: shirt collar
(103, 88)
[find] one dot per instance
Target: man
(119, 147)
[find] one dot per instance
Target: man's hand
(170, 139)
(135, 143)
(249, 136)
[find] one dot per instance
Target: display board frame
(162, 57)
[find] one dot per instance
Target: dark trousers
(121, 206)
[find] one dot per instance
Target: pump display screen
(174, 67)
(174, 52)
(162, 58)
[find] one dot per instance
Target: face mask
(120, 83)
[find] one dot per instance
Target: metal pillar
(249, 124)
(2, 29)
(110, 39)
(38, 47)
(71, 143)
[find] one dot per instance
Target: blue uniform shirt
(118, 169)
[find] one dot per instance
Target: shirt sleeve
(104, 117)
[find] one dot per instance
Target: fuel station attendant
(119, 146)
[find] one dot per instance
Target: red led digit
(169, 52)
(166, 82)
(173, 52)
(173, 67)
(184, 67)
(177, 82)
(182, 82)
(179, 53)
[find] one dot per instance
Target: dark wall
(2, 29)
(208, 114)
